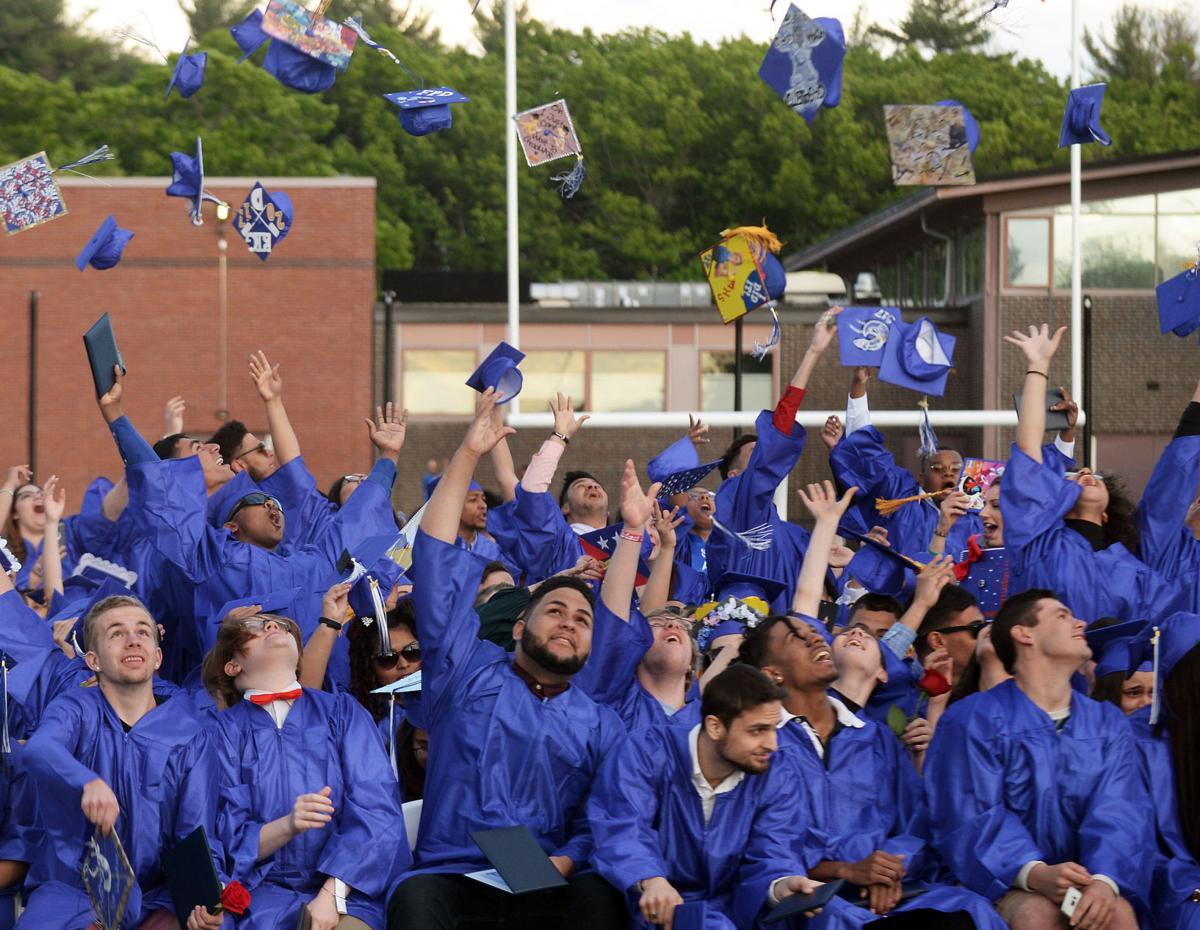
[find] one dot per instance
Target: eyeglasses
(699, 494)
(261, 447)
(975, 627)
(261, 624)
(939, 469)
(254, 499)
(353, 479)
(666, 621)
(410, 653)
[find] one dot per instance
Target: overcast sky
(1035, 28)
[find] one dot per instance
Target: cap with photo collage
(742, 602)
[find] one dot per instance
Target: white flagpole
(1076, 251)
(514, 257)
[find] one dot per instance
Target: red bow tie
(261, 699)
(974, 554)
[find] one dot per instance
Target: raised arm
(540, 473)
(55, 501)
(502, 460)
(130, 444)
(823, 334)
(657, 591)
(1038, 347)
(823, 503)
(16, 476)
(270, 388)
(636, 510)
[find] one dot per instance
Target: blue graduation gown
(899, 690)
(498, 755)
(308, 511)
(329, 740)
(535, 535)
(1168, 546)
(1043, 552)
(1176, 871)
(1004, 788)
(20, 831)
(164, 774)
(862, 460)
(647, 820)
(747, 500)
(863, 796)
(169, 504)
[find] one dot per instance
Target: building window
(551, 372)
(716, 381)
(434, 380)
(1028, 250)
(1117, 250)
(970, 261)
(628, 381)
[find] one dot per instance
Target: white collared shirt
(845, 717)
(708, 794)
(277, 709)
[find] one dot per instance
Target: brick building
(308, 306)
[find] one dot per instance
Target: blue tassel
(569, 183)
(101, 154)
(929, 442)
(760, 350)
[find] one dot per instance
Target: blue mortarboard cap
(863, 334)
(969, 122)
(426, 111)
(293, 68)
(804, 63)
(741, 585)
(435, 480)
(225, 498)
(188, 75)
(282, 602)
(678, 456)
(1113, 647)
(76, 590)
(1081, 120)
(877, 570)
(1165, 644)
(187, 179)
(499, 370)
(681, 481)
(918, 357)
(816, 623)
(105, 247)
(776, 277)
(1179, 303)
(248, 34)
(405, 685)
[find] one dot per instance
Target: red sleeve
(787, 408)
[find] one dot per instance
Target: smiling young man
(1035, 789)
(120, 757)
(511, 739)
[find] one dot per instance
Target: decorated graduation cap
(679, 456)
(1165, 644)
(104, 249)
(742, 602)
(9, 563)
(307, 50)
(918, 357)
(928, 144)
(187, 180)
(96, 569)
(424, 111)
(970, 124)
(264, 220)
(804, 63)
(500, 372)
(188, 76)
(744, 273)
(1081, 119)
(547, 133)
(1179, 302)
(680, 481)
(29, 192)
(1113, 648)
(863, 334)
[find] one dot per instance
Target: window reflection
(1028, 250)
(716, 382)
(549, 372)
(433, 380)
(628, 381)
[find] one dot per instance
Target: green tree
(1131, 53)
(940, 26)
(35, 38)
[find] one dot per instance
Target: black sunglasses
(975, 627)
(411, 652)
(254, 499)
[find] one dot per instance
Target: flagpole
(510, 134)
(1076, 209)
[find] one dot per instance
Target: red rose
(235, 898)
(933, 683)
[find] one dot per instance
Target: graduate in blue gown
(1166, 735)
(1059, 530)
(864, 815)
(1033, 787)
(116, 754)
(310, 811)
(20, 832)
(696, 505)
(511, 739)
(707, 814)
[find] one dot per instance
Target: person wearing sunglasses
(310, 814)
(953, 624)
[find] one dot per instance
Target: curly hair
(362, 646)
(1122, 524)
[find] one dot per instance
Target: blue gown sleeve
(368, 513)
(1034, 500)
(169, 507)
(541, 542)
(617, 648)
(133, 448)
(23, 634)
(368, 815)
(1055, 459)
(862, 460)
(982, 842)
(308, 510)
(621, 808)
(775, 455)
(1168, 546)
(49, 755)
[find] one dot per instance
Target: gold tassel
(759, 235)
(888, 507)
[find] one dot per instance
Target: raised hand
(54, 499)
(110, 400)
(1069, 407)
(265, 377)
(936, 575)
(173, 416)
(825, 330)
(16, 476)
(698, 432)
(823, 503)
(953, 506)
(637, 507)
(1038, 345)
(665, 522)
(565, 421)
(832, 432)
(388, 429)
(335, 605)
(585, 568)
(484, 433)
(244, 612)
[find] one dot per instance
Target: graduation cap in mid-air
(969, 123)
(29, 192)
(1178, 301)
(264, 220)
(1081, 119)
(863, 334)
(547, 133)
(424, 111)
(188, 76)
(104, 249)
(248, 34)
(918, 357)
(187, 180)
(804, 63)
(500, 372)
(686, 479)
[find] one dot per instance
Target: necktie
(261, 699)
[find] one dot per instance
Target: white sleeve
(858, 414)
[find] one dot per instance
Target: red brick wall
(309, 307)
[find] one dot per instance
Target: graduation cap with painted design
(427, 110)
(29, 192)
(804, 63)
(742, 602)
(686, 479)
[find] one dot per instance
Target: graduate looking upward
(511, 739)
(1035, 789)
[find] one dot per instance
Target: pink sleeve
(542, 467)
